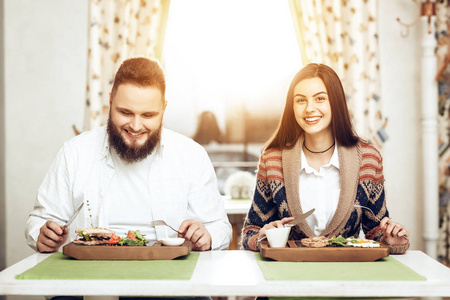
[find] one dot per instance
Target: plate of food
(317, 249)
(103, 244)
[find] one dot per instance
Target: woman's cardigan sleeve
(262, 211)
(372, 171)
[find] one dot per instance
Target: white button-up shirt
(181, 185)
(320, 190)
(131, 182)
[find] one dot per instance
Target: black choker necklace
(315, 152)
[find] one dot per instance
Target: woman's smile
(312, 120)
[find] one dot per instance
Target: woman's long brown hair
(288, 130)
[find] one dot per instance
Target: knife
(72, 217)
(300, 218)
(294, 222)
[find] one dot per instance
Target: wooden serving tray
(104, 252)
(294, 251)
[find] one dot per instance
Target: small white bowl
(173, 241)
(278, 237)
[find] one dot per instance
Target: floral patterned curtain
(443, 79)
(119, 29)
(344, 36)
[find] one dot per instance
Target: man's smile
(134, 135)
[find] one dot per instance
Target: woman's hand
(275, 224)
(394, 233)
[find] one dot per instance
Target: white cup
(278, 237)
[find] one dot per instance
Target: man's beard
(131, 154)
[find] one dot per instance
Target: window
(234, 58)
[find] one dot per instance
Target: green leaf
(338, 241)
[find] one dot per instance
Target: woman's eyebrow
(313, 95)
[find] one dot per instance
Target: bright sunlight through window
(228, 57)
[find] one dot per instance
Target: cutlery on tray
(162, 223)
(296, 221)
(75, 214)
(376, 218)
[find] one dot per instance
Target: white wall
(45, 58)
(45, 82)
(45, 78)
(400, 93)
(2, 150)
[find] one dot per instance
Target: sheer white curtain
(119, 29)
(343, 35)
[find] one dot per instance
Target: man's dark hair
(142, 72)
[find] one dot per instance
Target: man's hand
(195, 232)
(51, 237)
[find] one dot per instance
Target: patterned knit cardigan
(277, 194)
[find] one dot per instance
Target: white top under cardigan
(181, 182)
(320, 190)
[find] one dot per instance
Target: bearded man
(130, 173)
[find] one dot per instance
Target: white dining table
(233, 273)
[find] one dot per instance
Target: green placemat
(384, 269)
(59, 266)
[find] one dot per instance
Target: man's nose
(136, 123)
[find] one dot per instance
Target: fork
(365, 207)
(161, 222)
(376, 218)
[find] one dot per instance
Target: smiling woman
(228, 57)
